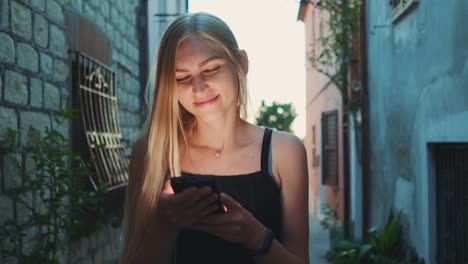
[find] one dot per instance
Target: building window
(401, 7)
(330, 148)
(96, 134)
(315, 156)
(450, 168)
(99, 128)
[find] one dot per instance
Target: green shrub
(385, 246)
(65, 207)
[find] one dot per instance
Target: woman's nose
(199, 84)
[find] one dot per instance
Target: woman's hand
(236, 225)
(184, 208)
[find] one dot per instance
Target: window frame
(329, 174)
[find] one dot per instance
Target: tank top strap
(266, 149)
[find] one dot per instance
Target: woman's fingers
(189, 205)
(203, 203)
(205, 212)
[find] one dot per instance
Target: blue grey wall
(418, 93)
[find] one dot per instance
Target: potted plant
(329, 221)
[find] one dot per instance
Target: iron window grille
(400, 7)
(94, 88)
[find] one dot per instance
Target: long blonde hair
(169, 123)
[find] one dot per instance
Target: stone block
(24, 208)
(21, 20)
(100, 22)
(65, 101)
(7, 49)
(51, 96)
(12, 171)
(41, 31)
(120, 5)
(57, 42)
(110, 32)
(128, 31)
(109, 254)
(54, 12)
(63, 128)
(89, 11)
(61, 70)
(8, 120)
(122, 24)
(6, 207)
(114, 16)
(30, 119)
(4, 15)
(118, 42)
(27, 57)
(46, 64)
(38, 4)
(36, 92)
(98, 257)
(133, 54)
(105, 8)
(87, 260)
(94, 3)
(77, 5)
(29, 163)
(16, 88)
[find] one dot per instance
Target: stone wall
(35, 82)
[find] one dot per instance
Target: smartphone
(183, 182)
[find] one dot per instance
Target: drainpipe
(365, 121)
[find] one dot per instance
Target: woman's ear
(244, 60)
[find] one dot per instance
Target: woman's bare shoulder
(286, 141)
(288, 152)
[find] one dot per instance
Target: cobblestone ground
(318, 241)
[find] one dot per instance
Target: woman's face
(207, 83)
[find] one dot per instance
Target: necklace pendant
(217, 154)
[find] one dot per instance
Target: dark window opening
(450, 163)
(330, 148)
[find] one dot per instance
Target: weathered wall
(418, 93)
(35, 82)
(321, 96)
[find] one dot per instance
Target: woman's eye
(183, 79)
(211, 70)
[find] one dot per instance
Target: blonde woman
(197, 127)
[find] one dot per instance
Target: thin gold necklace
(219, 151)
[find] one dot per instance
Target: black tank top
(258, 193)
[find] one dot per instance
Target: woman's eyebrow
(202, 63)
(208, 60)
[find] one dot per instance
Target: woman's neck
(219, 135)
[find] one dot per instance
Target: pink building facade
(322, 99)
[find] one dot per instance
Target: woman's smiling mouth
(206, 102)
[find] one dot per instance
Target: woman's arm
(159, 235)
(290, 164)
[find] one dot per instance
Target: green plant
(329, 221)
(329, 218)
(385, 246)
(64, 206)
(276, 115)
(333, 51)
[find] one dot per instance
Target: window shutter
(330, 148)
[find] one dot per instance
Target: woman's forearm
(158, 242)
